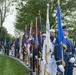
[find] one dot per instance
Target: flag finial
(47, 4)
(39, 12)
(58, 1)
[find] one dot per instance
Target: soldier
(50, 55)
(69, 54)
(52, 62)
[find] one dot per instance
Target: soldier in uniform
(69, 54)
(50, 55)
(52, 65)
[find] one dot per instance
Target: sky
(9, 21)
(8, 24)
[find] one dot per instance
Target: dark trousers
(69, 69)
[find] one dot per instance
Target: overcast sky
(9, 20)
(8, 24)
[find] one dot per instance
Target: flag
(62, 42)
(18, 41)
(40, 33)
(30, 30)
(20, 51)
(36, 33)
(24, 40)
(46, 46)
(5, 42)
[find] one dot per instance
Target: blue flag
(18, 41)
(36, 33)
(5, 42)
(40, 35)
(61, 38)
(62, 42)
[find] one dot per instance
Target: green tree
(5, 34)
(5, 11)
(28, 10)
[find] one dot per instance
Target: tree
(5, 35)
(4, 11)
(29, 11)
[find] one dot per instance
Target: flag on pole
(18, 41)
(30, 30)
(20, 51)
(5, 42)
(62, 42)
(24, 40)
(46, 46)
(36, 33)
(40, 34)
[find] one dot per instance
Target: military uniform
(51, 62)
(58, 57)
(68, 55)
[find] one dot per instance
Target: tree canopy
(27, 11)
(5, 34)
(5, 7)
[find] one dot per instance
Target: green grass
(10, 66)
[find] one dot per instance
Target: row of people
(36, 60)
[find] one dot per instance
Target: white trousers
(53, 68)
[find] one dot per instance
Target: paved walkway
(74, 73)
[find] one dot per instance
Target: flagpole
(36, 45)
(58, 2)
(47, 46)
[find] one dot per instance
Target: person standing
(52, 66)
(69, 54)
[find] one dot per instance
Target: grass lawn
(10, 66)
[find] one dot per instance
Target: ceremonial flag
(62, 42)
(31, 30)
(46, 46)
(36, 33)
(18, 41)
(5, 42)
(21, 36)
(24, 40)
(40, 33)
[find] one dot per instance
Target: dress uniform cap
(44, 35)
(52, 30)
(65, 27)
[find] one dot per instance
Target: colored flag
(21, 56)
(18, 41)
(40, 33)
(24, 40)
(62, 42)
(46, 46)
(36, 33)
(31, 30)
(5, 42)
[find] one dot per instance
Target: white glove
(31, 55)
(44, 61)
(25, 45)
(61, 68)
(71, 60)
(36, 57)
